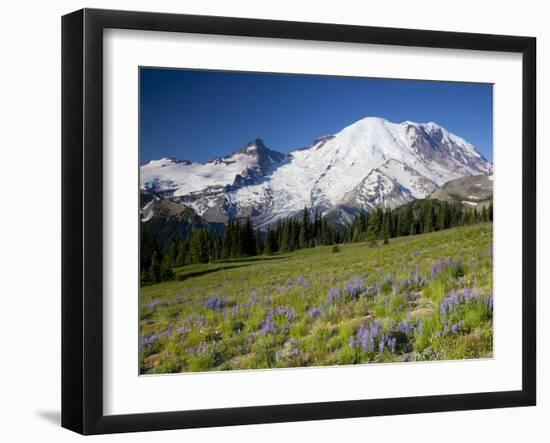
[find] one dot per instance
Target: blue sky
(197, 115)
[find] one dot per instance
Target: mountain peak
(368, 121)
(372, 119)
(262, 154)
(256, 145)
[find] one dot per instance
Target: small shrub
(335, 249)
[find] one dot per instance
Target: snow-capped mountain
(181, 177)
(370, 163)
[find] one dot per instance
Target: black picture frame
(82, 187)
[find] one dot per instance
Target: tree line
(417, 217)
(241, 240)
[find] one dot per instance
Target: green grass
(180, 333)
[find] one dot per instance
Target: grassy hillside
(425, 297)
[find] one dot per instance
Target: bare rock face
(167, 218)
(473, 191)
(370, 163)
(435, 144)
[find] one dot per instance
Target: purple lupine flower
(294, 348)
(288, 315)
(366, 336)
(333, 296)
(457, 327)
(355, 287)
(268, 327)
(454, 299)
(365, 340)
(190, 351)
(441, 266)
(215, 302)
(375, 327)
(420, 327)
(468, 294)
(235, 310)
(299, 281)
(147, 342)
(413, 281)
(352, 341)
(251, 303)
(392, 343)
(381, 345)
(405, 327)
(374, 290)
(489, 302)
(154, 303)
(284, 311)
(316, 312)
(444, 307)
(201, 321)
(202, 348)
(449, 302)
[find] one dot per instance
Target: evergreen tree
(386, 226)
(326, 234)
(148, 245)
(227, 240)
(171, 252)
(214, 246)
(294, 233)
(371, 238)
(183, 252)
(372, 231)
(145, 277)
(428, 217)
(408, 221)
(316, 234)
(446, 216)
(484, 214)
(356, 229)
(375, 224)
(154, 269)
(271, 243)
(285, 236)
(198, 247)
(304, 236)
(166, 272)
(260, 243)
(248, 240)
(236, 240)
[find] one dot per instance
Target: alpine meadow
(373, 244)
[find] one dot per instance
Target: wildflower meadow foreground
(419, 298)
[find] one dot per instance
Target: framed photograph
(268, 221)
